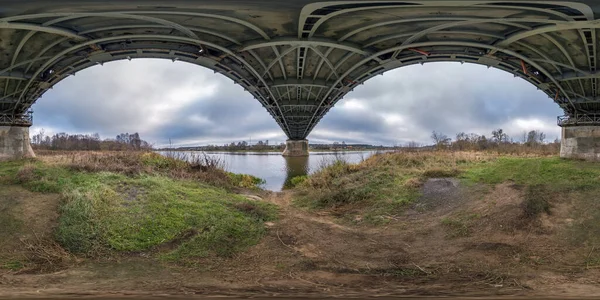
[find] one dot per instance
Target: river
(275, 169)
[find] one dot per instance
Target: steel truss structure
(579, 120)
(25, 119)
(298, 58)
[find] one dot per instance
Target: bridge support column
(14, 142)
(582, 142)
(296, 148)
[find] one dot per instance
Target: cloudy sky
(191, 105)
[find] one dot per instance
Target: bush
(246, 181)
(298, 180)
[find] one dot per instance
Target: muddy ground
(456, 241)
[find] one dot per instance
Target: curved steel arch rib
(330, 49)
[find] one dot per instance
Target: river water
(275, 169)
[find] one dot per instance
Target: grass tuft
(440, 173)
(27, 173)
(381, 186)
(536, 201)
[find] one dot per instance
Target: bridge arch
(160, 99)
(300, 58)
(407, 103)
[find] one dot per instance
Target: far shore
(275, 151)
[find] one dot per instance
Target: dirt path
(312, 255)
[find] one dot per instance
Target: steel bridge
(298, 58)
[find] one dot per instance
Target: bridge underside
(299, 57)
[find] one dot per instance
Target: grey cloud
(190, 105)
(449, 97)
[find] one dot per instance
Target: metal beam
(310, 8)
(326, 60)
(62, 17)
(140, 15)
(145, 37)
(47, 29)
(278, 59)
(298, 82)
(131, 26)
(515, 22)
(433, 29)
(465, 32)
(14, 75)
(564, 52)
(546, 29)
(304, 43)
(448, 43)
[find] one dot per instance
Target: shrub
(245, 180)
(297, 180)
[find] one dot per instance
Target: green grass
(8, 170)
(13, 265)
(10, 225)
(386, 184)
(592, 262)
(106, 212)
(536, 171)
(381, 189)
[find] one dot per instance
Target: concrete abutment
(14, 142)
(580, 142)
(296, 148)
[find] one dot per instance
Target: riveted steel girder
(298, 70)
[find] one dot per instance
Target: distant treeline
(64, 141)
(528, 141)
(243, 145)
(265, 146)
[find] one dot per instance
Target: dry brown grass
(44, 254)
(203, 168)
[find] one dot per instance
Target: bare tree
(499, 136)
(535, 137)
(412, 146)
(441, 140)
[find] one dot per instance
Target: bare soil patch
(312, 254)
(31, 214)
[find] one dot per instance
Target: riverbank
(466, 224)
(105, 204)
(274, 151)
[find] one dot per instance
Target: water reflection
(275, 169)
(295, 166)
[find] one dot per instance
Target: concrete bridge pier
(580, 142)
(296, 148)
(14, 142)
